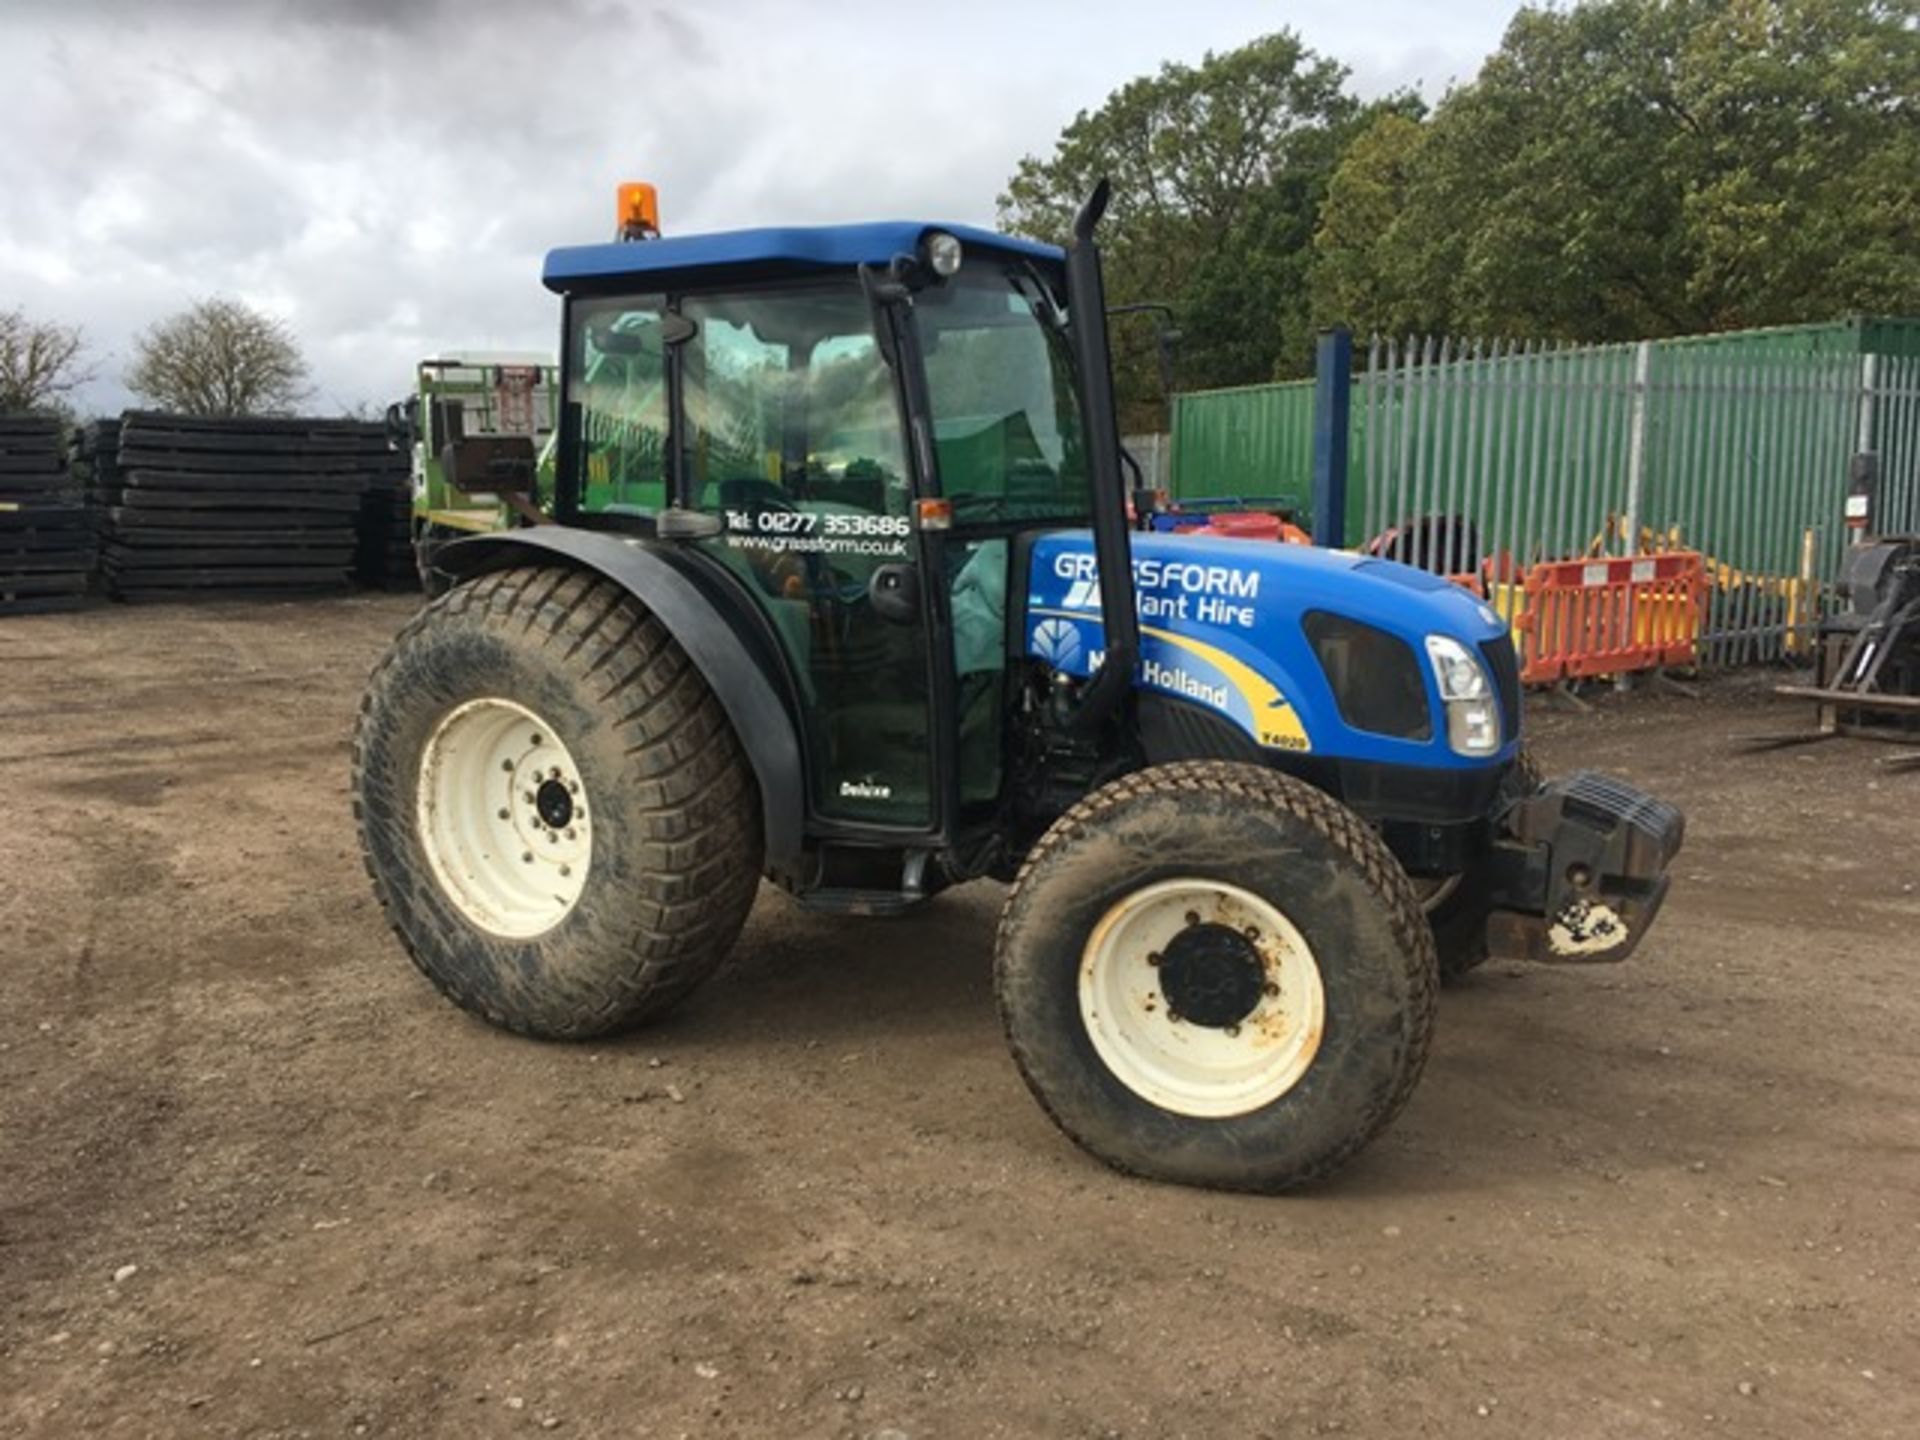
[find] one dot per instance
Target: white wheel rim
(504, 818)
(1220, 1067)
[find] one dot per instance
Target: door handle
(894, 591)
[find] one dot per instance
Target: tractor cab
(856, 426)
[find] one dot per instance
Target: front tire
(558, 818)
(1215, 974)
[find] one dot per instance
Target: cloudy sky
(386, 174)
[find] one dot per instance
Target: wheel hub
(1212, 976)
(503, 817)
(1201, 997)
(554, 804)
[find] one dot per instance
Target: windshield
(1005, 419)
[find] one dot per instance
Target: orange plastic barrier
(1606, 617)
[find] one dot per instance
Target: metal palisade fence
(1516, 453)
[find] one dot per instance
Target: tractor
(840, 586)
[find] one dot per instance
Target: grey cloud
(387, 176)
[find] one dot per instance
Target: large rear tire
(1215, 974)
(557, 816)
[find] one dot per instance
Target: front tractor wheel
(556, 814)
(1218, 975)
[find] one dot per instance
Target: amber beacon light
(638, 211)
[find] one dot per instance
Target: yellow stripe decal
(1274, 718)
(1276, 723)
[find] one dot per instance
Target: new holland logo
(1057, 642)
(1082, 595)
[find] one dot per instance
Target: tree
(1629, 168)
(219, 358)
(1218, 171)
(41, 364)
(1361, 259)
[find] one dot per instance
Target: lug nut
(1252, 932)
(566, 870)
(505, 814)
(1154, 958)
(1270, 989)
(553, 836)
(1173, 1015)
(526, 857)
(536, 740)
(507, 765)
(571, 835)
(554, 773)
(1193, 917)
(1232, 1030)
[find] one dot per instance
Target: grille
(1374, 676)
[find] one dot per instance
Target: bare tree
(40, 363)
(219, 358)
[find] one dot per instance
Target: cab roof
(729, 253)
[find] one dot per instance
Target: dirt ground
(257, 1179)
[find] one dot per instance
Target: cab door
(1010, 455)
(792, 435)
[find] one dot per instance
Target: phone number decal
(808, 531)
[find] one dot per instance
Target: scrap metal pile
(45, 547)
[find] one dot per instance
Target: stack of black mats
(385, 558)
(231, 507)
(46, 547)
(95, 451)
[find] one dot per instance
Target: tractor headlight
(943, 254)
(1473, 711)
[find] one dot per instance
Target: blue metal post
(1332, 407)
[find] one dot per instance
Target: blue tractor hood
(1224, 625)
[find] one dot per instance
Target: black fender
(738, 681)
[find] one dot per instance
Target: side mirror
(490, 465)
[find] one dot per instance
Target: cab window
(1005, 419)
(618, 382)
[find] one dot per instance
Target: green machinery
(462, 396)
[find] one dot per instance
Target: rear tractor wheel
(558, 819)
(1218, 975)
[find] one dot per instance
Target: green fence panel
(1735, 445)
